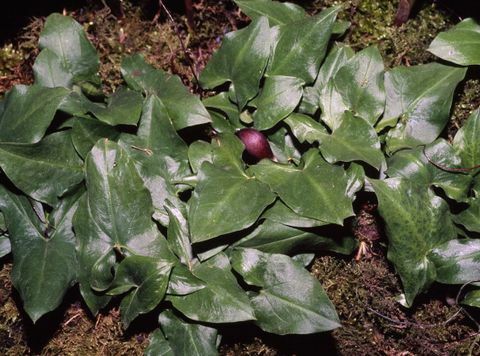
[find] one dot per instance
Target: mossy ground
(363, 292)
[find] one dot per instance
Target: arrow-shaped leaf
(279, 306)
(417, 221)
(44, 267)
(316, 191)
(44, 170)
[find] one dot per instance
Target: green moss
(9, 59)
(466, 100)
(372, 24)
(364, 296)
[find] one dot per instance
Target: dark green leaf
(305, 128)
(282, 214)
(44, 170)
(158, 346)
(187, 338)
(353, 140)
(358, 87)
(221, 301)
(123, 108)
(466, 141)
(199, 152)
(241, 60)
(86, 133)
(414, 165)
(178, 236)
(28, 112)
(224, 202)
(183, 108)
(421, 97)
(116, 217)
(336, 58)
(277, 13)
(457, 261)
(227, 152)
(160, 155)
(279, 97)
(291, 301)
(44, 265)
(417, 221)
(472, 298)
(470, 217)
(301, 46)
(50, 71)
(221, 102)
(460, 44)
(183, 282)
(316, 191)
(148, 277)
(65, 38)
(274, 237)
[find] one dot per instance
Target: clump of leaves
(125, 196)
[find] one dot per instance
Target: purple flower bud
(256, 143)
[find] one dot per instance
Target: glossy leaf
(472, 298)
(358, 87)
(279, 97)
(44, 266)
(159, 153)
(178, 235)
(457, 261)
(224, 202)
(28, 112)
(459, 44)
(221, 301)
(183, 108)
(470, 217)
(222, 103)
(183, 282)
(240, 60)
(65, 38)
(417, 221)
(290, 300)
(50, 71)
(353, 140)
(115, 218)
(301, 46)
(466, 141)
(282, 214)
(227, 152)
(316, 190)
(421, 97)
(336, 59)
(123, 108)
(274, 237)
(44, 170)
(199, 152)
(277, 13)
(146, 280)
(422, 165)
(86, 133)
(187, 338)
(305, 128)
(158, 346)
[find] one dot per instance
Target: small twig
(448, 169)
(147, 151)
(71, 319)
(177, 31)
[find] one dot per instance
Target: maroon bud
(256, 143)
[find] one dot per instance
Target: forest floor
(364, 292)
